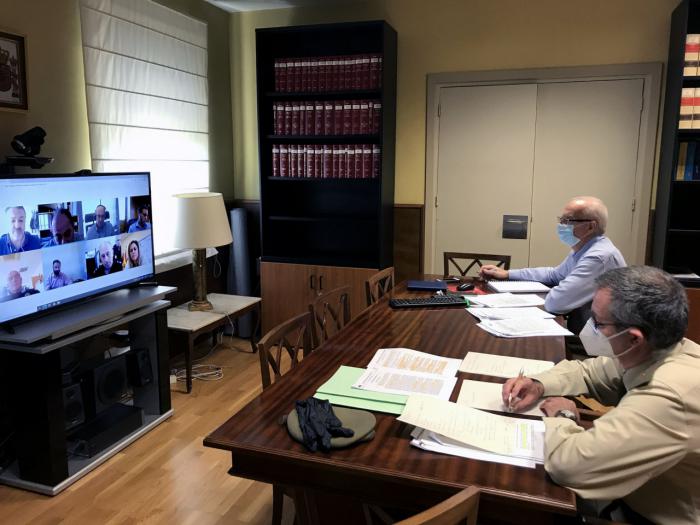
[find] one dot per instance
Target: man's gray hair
(649, 299)
(594, 209)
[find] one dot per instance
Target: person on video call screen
(62, 231)
(107, 262)
(14, 288)
(102, 227)
(17, 239)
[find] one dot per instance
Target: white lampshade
(200, 221)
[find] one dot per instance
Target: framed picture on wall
(13, 75)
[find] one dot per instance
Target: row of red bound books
(337, 161)
(328, 73)
(332, 117)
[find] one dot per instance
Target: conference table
(388, 471)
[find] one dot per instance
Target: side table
(226, 309)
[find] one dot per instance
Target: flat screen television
(65, 238)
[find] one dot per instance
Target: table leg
(188, 364)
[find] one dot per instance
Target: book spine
(309, 162)
(355, 118)
(295, 119)
(310, 119)
(283, 74)
(293, 161)
(690, 161)
(364, 72)
(337, 118)
(342, 162)
(321, 86)
(275, 160)
(357, 169)
(366, 161)
(692, 55)
(328, 118)
(376, 116)
(301, 161)
(318, 118)
(685, 120)
(284, 161)
(376, 162)
(373, 71)
(680, 166)
(275, 117)
(347, 117)
(363, 118)
(326, 162)
(304, 81)
(277, 74)
(335, 168)
(287, 118)
(350, 162)
(696, 109)
(318, 162)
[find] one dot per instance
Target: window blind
(147, 99)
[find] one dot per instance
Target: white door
(525, 149)
(587, 144)
(485, 162)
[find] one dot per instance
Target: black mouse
(465, 286)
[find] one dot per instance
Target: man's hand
(552, 405)
(520, 393)
(490, 271)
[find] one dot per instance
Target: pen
(521, 374)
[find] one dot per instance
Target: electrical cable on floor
(202, 372)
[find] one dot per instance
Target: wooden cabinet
(676, 246)
(288, 289)
(327, 171)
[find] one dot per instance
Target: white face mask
(597, 344)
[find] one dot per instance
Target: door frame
(647, 159)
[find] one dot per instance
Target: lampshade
(200, 221)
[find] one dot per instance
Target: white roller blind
(147, 99)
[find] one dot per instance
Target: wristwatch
(568, 414)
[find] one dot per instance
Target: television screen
(68, 237)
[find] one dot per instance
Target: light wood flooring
(167, 476)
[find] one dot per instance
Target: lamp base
(200, 306)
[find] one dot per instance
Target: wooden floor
(167, 476)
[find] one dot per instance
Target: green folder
(338, 390)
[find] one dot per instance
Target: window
(147, 99)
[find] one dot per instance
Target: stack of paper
(509, 313)
(487, 396)
(502, 365)
(524, 327)
(455, 426)
(496, 300)
(339, 391)
(518, 286)
(406, 371)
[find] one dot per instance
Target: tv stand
(44, 380)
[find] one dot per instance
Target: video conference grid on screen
(68, 237)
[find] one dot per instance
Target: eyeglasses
(567, 220)
(597, 324)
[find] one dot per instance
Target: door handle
(320, 283)
(312, 282)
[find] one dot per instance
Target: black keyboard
(426, 302)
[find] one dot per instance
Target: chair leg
(277, 503)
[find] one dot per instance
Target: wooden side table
(227, 308)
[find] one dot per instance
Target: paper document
(427, 440)
(502, 365)
(396, 381)
(500, 434)
(518, 286)
(527, 312)
(414, 361)
(495, 300)
(487, 396)
(524, 327)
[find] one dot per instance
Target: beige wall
(455, 35)
(56, 83)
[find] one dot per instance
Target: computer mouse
(465, 286)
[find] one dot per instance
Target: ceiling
(237, 6)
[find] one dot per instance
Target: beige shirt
(647, 449)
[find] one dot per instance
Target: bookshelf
(676, 244)
(326, 134)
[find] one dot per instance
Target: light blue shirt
(573, 281)
(136, 227)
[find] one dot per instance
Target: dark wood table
(388, 470)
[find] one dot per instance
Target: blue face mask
(566, 234)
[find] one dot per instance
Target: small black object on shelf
(28, 145)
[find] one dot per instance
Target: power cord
(202, 372)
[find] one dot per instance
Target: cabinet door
(286, 291)
(330, 277)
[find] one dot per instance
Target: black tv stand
(40, 352)
(8, 327)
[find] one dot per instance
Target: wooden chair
(293, 337)
(460, 508)
(330, 312)
(471, 260)
(379, 284)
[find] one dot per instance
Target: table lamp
(200, 223)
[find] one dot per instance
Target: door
(587, 144)
(286, 291)
(485, 161)
(330, 277)
(525, 149)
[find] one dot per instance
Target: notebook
(426, 285)
(518, 286)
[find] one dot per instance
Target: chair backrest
(331, 312)
(460, 508)
(693, 332)
(467, 261)
(379, 284)
(293, 338)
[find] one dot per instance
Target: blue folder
(426, 285)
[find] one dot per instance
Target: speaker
(138, 363)
(73, 406)
(110, 383)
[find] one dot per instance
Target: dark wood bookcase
(316, 221)
(676, 244)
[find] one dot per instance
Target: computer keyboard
(427, 302)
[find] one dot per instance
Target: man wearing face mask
(582, 227)
(645, 452)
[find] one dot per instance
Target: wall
(455, 35)
(56, 85)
